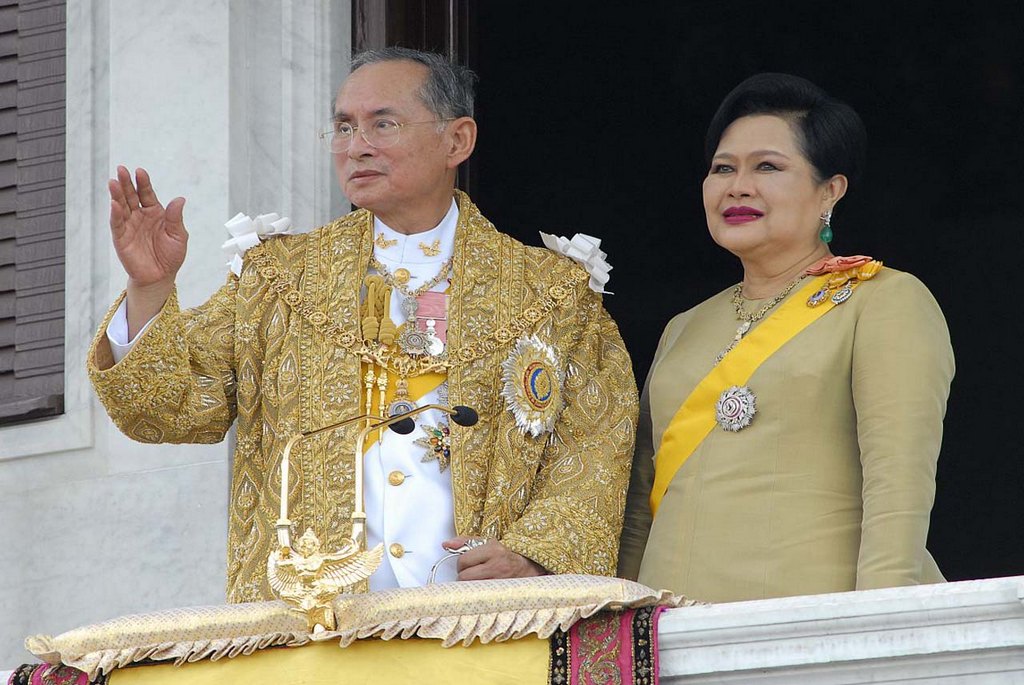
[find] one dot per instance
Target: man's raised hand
(150, 240)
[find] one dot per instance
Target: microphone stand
(402, 424)
(308, 579)
(284, 525)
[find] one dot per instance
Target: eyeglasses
(380, 134)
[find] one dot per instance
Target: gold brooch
(402, 276)
(382, 242)
(840, 285)
(438, 441)
(431, 250)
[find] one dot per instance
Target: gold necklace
(409, 303)
(283, 283)
(747, 319)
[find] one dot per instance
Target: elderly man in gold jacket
(302, 338)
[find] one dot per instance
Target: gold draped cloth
(561, 629)
(278, 348)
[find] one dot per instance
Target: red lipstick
(741, 215)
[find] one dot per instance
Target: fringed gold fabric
(179, 635)
(490, 610)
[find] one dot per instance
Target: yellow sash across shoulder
(696, 417)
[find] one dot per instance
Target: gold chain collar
(280, 280)
(391, 281)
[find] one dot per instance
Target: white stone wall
(220, 100)
(966, 633)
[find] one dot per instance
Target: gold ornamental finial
(303, 576)
(309, 580)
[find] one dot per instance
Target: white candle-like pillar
(283, 524)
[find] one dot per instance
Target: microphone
(461, 414)
(404, 425)
(465, 416)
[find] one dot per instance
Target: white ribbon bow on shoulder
(247, 232)
(585, 250)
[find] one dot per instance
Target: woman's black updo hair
(830, 134)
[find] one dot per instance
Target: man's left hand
(492, 560)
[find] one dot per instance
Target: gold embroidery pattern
(599, 649)
(389, 356)
(279, 345)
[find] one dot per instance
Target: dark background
(592, 119)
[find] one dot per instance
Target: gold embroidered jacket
(278, 348)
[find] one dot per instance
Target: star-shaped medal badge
(438, 443)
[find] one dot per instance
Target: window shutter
(32, 164)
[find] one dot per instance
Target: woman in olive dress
(790, 425)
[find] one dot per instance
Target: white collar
(405, 249)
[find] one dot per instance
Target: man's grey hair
(448, 90)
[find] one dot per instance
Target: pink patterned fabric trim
(47, 674)
(613, 648)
